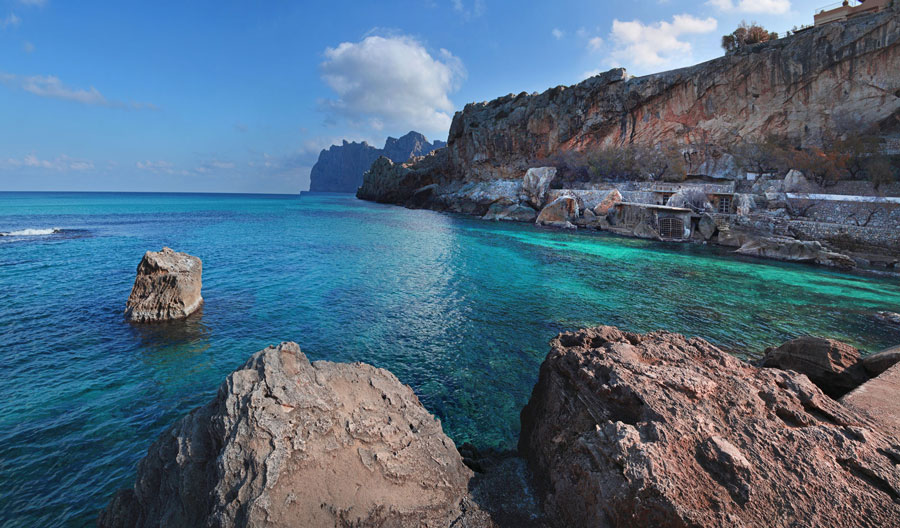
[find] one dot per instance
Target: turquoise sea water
(460, 309)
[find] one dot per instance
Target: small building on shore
(847, 9)
(651, 221)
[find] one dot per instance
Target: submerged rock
(167, 287)
(286, 442)
(659, 430)
(790, 249)
(888, 317)
(833, 366)
(559, 213)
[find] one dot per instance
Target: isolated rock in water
(790, 249)
(612, 198)
(878, 398)
(536, 183)
(167, 287)
(286, 442)
(659, 430)
(833, 366)
(877, 363)
(559, 212)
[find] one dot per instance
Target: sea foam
(33, 232)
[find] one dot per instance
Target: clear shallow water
(459, 308)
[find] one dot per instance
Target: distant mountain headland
(341, 167)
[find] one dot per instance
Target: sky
(241, 96)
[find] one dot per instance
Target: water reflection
(165, 343)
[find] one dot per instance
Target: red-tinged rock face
(833, 366)
(826, 80)
(659, 430)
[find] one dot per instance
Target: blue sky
(241, 96)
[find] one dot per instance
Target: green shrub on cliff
(746, 35)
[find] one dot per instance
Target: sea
(459, 308)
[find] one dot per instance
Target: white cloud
(11, 20)
(775, 7)
(476, 10)
(53, 87)
(60, 163)
(392, 81)
(558, 34)
(657, 44)
(161, 165)
(595, 44)
(27, 47)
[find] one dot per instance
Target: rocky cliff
(838, 77)
(341, 167)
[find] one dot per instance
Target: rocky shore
(622, 429)
(806, 87)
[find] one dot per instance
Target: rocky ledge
(167, 287)
(659, 430)
(287, 442)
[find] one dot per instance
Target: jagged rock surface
(660, 430)
(878, 398)
(833, 366)
(340, 168)
(803, 86)
(286, 442)
(167, 287)
(559, 213)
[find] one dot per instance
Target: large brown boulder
(833, 366)
(167, 287)
(286, 442)
(559, 213)
(660, 430)
(878, 362)
(879, 398)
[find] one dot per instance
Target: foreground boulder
(878, 362)
(833, 366)
(167, 287)
(286, 442)
(660, 430)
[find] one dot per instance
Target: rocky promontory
(694, 131)
(626, 429)
(289, 442)
(340, 168)
(167, 287)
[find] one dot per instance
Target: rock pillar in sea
(167, 287)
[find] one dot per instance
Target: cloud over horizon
(52, 87)
(392, 82)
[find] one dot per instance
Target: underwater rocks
(833, 366)
(659, 430)
(793, 250)
(286, 442)
(888, 317)
(167, 287)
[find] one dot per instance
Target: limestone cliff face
(837, 77)
(341, 167)
(830, 78)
